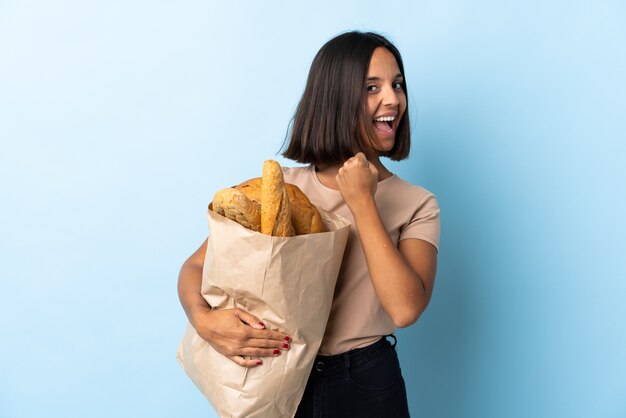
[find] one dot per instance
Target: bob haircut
(325, 127)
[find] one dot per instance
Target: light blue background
(120, 119)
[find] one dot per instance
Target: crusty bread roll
(275, 210)
(252, 189)
(305, 217)
(236, 206)
(286, 203)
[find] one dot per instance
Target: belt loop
(346, 364)
(395, 340)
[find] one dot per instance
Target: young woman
(353, 111)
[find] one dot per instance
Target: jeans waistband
(333, 364)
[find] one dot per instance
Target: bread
(275, 210)
(252, 189)
(236, 206)
(243, 204)
(305, 217)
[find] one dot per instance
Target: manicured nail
(261, 324)
(276, 352)
(285, 346)
(287, 339)
(259, 362)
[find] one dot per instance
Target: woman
(353, 111)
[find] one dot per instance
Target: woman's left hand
(357, 180)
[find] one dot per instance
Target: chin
(379, 146)
(385, 146)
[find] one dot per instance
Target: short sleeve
(424, 223)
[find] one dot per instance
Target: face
(386, 101)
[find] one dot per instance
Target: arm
(232, 332)
(403, 276)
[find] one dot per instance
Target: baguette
(305, 217)
(243, 204)
(275, 210)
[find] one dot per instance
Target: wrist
(363, 207)
(198, 315)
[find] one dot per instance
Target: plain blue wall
(120, 119)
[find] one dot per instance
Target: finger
(352, 161)
(373, 170)
(358, 160)
(267, 334)
(362, 158)
(267, 343)
(253, 362)
(260, 352)
(249, 319)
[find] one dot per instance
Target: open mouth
(384, 123)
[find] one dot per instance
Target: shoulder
(406, 203)
(292, 174)
(413, 208)
(401, 191)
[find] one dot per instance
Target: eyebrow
(378, 78)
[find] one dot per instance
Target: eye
(397, 85)
(372, 87)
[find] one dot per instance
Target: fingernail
(259, 362)
(261, 324)
(287, 339)
(285, 345)
(276, 352)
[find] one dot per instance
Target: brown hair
(325, 127)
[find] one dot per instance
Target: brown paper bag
(286, 282)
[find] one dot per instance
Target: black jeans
(362, 383)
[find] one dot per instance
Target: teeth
(385, 119)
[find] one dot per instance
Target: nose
(391, 96)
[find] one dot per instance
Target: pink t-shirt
(357, 318)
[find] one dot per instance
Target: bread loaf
(305, 217)
(236, 206)
(244, 202)
(275, 210)
(252, 189)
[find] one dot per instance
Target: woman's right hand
(232, 332)
(236, 333)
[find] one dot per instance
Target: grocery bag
(288, 283)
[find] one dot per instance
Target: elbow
(404, 319)
(409, 315)
(407, 311)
